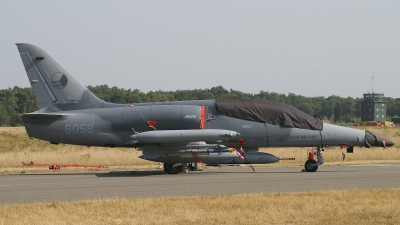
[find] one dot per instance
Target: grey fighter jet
(220, 131)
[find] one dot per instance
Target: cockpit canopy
(270, 112)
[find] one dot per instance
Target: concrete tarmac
(30, 188)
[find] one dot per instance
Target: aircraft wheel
(309, 167)
(173, 168)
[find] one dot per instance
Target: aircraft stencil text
(79, 128)
(190, 116)
(304, 137)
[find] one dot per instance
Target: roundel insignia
(59, 81)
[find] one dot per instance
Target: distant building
(373, 110)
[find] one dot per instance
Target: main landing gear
(311, 165)
(175, 168)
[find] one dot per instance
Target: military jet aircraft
(220, 131)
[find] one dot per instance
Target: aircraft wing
(168, 146)
(184, 145)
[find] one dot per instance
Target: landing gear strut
(191, 166)
(311, 165)
(173, 168)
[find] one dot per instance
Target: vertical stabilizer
(54, 87)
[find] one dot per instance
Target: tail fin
(54, 87)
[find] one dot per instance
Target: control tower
(373, 108)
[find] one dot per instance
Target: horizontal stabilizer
(44, 115)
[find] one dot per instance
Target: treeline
(14, 101)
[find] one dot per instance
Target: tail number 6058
(78, 128)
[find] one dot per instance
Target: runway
(30, 188)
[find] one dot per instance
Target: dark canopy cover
(270, 112)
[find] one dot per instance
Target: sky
(309, 48)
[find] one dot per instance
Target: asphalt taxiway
(30, 188)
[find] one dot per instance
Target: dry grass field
(16, 147)
(375, 206)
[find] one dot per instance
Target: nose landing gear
(311, 165)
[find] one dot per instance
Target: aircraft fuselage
(114, 127)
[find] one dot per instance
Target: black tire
(308, 166)
(173, 168)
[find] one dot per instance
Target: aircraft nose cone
(384, 141)
(378, 140)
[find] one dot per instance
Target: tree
(4, 118)
(337, 112)
(219, 91)
(22, 100)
